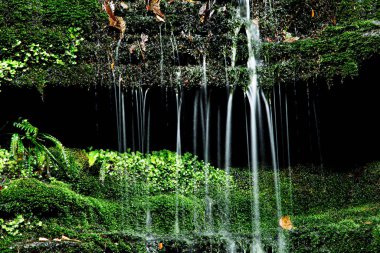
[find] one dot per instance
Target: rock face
(61, 43)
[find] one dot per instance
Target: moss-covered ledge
(75, 47)
(337, 52)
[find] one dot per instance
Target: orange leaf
(312, 13)
(286, 223)
(109, 11)
(160, 246)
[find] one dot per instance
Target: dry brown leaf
(114, 21)
(108, 9)
(286, 223)
(57, 240)
(206, 11)
(159, 19)
(65, 238)
(43, 239)
(154, 6)
(291, 39)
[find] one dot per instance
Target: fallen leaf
(107, 8)
(57, 240)
(159, 19)
(368, 222)
(43, 239)
(286, 223)
(160, 246)
(154, 6)
(291, 39)
(65, 238)
(312, 13)
(114, 21)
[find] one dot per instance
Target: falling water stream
(231, 247)
(205, 120)
(178, 160)
(276, 175)
(251, 94)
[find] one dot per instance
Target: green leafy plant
(12, 227)
(33, 153)
(161, 171)
(6, 162)
(26, 55)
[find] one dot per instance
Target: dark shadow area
(332, 127)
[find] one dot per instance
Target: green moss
(337, 52)
(346, 230)
(30, 196)
(52, 13)
(331, 211)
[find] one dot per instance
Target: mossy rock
(30, 196)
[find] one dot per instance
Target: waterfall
(288, 155)
(254, 127)
(231, 248)
(178, 160)
(252, 32)
(140, 103)
(119, 100)
(276, 175)
(205, 122)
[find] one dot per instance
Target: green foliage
(329, 212)
(11, 227)
(163, 171)
(344, 230)
(6, 162)
(23, 57)
(338, 52)
(51, 13)
(351, 10)
(31, 154)
(30, 196)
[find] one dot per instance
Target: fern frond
(29, 130)
(17, 147)
(41, 158)
(59, 146)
